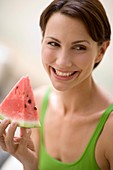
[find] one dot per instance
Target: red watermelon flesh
(19, 105)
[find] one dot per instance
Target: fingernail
(14, 124)
(6, 120)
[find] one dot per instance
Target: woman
(76, 114)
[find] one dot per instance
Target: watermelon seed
(29, 101)
(25, 105)
(35, 108)
(27, 95)
(16, 89)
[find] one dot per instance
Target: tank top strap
(44, 104)
(90, 150)
(102, 122)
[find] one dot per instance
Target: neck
(78, 98)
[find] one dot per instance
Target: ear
(102, 50)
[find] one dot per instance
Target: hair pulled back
(91, 12)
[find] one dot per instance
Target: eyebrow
(80, 41)
(75, 42)
(53, 38)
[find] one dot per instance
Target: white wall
(104, 73)
(19, 30)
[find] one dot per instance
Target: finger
(3, 125)
(23, 131)
(25, 138)
(10, 136)
(17, 140)
(2, 143)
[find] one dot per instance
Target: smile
(64, 75)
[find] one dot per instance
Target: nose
(63, 59)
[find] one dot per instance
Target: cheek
(85, 61)
(47, 56)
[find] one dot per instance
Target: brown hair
(91, 12)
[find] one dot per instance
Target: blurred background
(20, 43)
(20, 47)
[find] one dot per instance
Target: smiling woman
(75, 111)
(69, 58)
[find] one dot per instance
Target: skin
(67, 49)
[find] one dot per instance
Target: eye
(79, 47)
(53, 44)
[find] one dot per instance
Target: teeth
(59, 73)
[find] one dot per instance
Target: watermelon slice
(19, 105)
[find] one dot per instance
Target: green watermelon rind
(25, 124)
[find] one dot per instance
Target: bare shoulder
(108, 140)
(39, 95)
(107, 95)
(105, 146)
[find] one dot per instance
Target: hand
(21, 147)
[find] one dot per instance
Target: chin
(61, 87)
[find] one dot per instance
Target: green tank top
(87, 160)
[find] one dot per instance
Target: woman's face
(68, 52)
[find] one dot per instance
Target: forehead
(63, 25)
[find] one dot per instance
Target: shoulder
(108, 140)
(107, 95)
(39, 94)
(104, 97)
